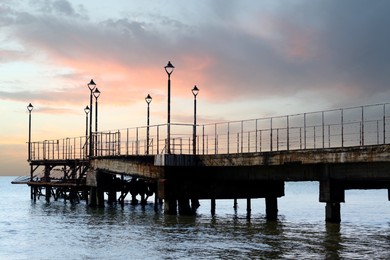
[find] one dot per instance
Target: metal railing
(354, 126)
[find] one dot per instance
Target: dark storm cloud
(348, 46)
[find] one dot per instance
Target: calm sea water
(64, 231)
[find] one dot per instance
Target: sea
(62, 230)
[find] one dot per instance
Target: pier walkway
(341, 149)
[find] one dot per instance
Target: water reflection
(79, 232)
(332, 241)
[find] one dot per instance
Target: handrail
(353, 126)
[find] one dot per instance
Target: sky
(249, 58)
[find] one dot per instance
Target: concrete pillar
(332, 192)
(100, 197)
(332, 212)
(112, 196)
(271, 208)
(170, 206)
(248, 206)
(212, 207)
(35, 193)
(48, 193)
(92, 197)
(155, 202)
(73, 196)
(134, 200)
(184, 207)
(235, 204)
(195, 204)
(112, 190)
(85, 195)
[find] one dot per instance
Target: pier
(181, 164)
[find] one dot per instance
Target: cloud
(273, 50)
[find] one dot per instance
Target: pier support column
(170, 206)
(101, 180)
(92, 197)
(35, 193)
(112, 196)
(235, 204)
(248, 206)
(332, 192)
(47, 193)
(155, 202)
(332, 212)
(271, 208)
(184, 207)
(212, 207)
(195, 204)
(100, 197)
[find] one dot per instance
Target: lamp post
(91, 86)
(86, 110)
(96, 94)
(169, 69)
(195, 92)
(148, 100)
(29, 108)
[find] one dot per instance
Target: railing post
(127, 141)
(203, 138)
(260, 143)
(249, 142)
(288, 133)
(342, 127)
(136, 141)
(158, 139)
(304, 130)
(119, 143)
(256, 136)
(323, 130)
(215, 138)
(384, 123)
(377, 131)
(300, 138)
(238, 142)
(228, 137)
(270, 141)
(44, 150)
(277, 139)
(362, 125)
(109, 143)
(242, 136)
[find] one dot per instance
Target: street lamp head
(195, 91)
(96, 93)
(30, 107)
(91, 85)
(86, 110)
(148, 99)
(169, 68)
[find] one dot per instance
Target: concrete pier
(182, 180)
(271, 208)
